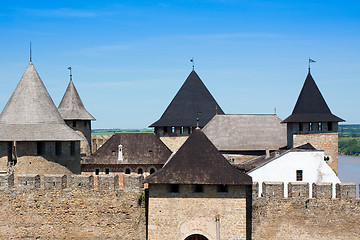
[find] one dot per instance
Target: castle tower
(312, 122)
(198, 194)
(33, 135)
(192, 101)
(75, 115)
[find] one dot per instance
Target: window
(165, 129)
(58, 149)
(310, 126)
(181, 130)
(107, 171)
(127, 171)
(74, 123)
(152, 170)
(189, 130)
(72, 148)
(85, 123)
(330, 127)
(198, 188)
(97, 171)
(40, 148)
(319, 127)
(172, 129)
(299, 175)
(140, 171)
(222, 188)
(174, 188)
(301, 127)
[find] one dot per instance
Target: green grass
(112, 131)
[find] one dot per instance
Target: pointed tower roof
(311, 106)
(199, 162)
(71, 106)
(31, 115)
(193, 97)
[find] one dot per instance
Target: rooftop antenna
(311, 61)
(70, 73)
(30, 53)
(192, 61)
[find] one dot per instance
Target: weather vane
(192, 61)
(70, 73)
(311, 61)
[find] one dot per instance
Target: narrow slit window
(58, 149)
(165, 129)
(198, 188)
(222, 188)
(319, 126)
(299, 175)
(181, 130)
(330, 127)
(301, 127)
(107, 171)
(174, 188)
(74, 123)
(40, 148)
(172, 129)
(72, 148)
(310, 126)
(127, 171)
(97, 171)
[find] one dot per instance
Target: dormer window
(120, 153)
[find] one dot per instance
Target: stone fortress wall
(89, 207)
(301, 217)
(71, 207)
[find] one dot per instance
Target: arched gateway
(196, 237)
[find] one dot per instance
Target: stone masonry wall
(324, 141)
(301, 217)
(69, 207)
(178, 215)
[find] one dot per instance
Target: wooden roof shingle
(192, 98)
(71, 107)
(311, 106)
(31, 115)
(199, 162)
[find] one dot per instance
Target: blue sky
(129, 58)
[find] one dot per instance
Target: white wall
(283, 169)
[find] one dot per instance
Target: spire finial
(197, 120)
(30, 53)
(192, 61)
(70, 73)
(310, 61)
(275, 110)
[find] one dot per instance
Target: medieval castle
(202, 175)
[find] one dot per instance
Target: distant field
(112, 131)
(349, 139)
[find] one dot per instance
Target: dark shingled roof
(199, 162)
(311, 106)
(137, 148)
(257, 162)
(71, 107)
(193, 97)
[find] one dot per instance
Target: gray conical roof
(31, 115)
(71, 106)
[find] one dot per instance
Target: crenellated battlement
(58, 182)
(301, 190)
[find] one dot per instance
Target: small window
(127, 171)
(74, 123)
(310, 126)
(152, 170)
(140, 171)
(330, 126)
(40, 148)
(107, 170)
(301, 127)
(299, 175)
(72, 148)
(319, 127)
(97, 171)
(181, 130)
(172, 129)
(198, 188)
(190, 130)
(174, 188)
(85, 123)
(58, 149)
(165, 129)
(222, 188)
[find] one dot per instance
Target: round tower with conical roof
(76, 116)
(312, 122)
